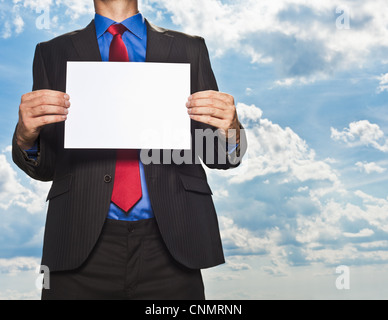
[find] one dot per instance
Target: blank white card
(127, 105)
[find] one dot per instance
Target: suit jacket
(82, 185)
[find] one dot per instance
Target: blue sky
(311, 92)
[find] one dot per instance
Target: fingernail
(66, 96)
(67, 103)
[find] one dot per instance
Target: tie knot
(116, 29)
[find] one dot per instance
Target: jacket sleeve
(42, 168)
(214, 150)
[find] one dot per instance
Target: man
(93, 247)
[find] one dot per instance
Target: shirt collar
(135, 24)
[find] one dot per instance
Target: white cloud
(16, 265)
(362, 133)
(383, 85)
(273, 149)
(220, 193)
(7, 31)
(300, 37)
(362, 233)
(375, 245)
(16, 14)
(18, 23)
(288, 82)
(7, 149)
(285, 82)
(342, 231)
(330, 223)
(237, 266)
(240, 241)
(369, 167)
(34, 4)
(249, 113)
(375, 211)
(324, 240)
(77, 8)
(14, 193)
(248, 91)
(18, 277)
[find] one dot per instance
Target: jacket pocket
(195, 184)
(60, 186)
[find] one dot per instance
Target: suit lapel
(158, 50)
(86, 45)
(158, 44)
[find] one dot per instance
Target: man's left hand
(216, 109)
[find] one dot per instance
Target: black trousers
(129, 262)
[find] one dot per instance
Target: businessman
(117, 228)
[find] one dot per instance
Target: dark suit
(83, 179)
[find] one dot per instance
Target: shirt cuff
(231, 147)
(32, 153)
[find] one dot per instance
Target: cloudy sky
(310, 79)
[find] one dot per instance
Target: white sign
(127, 105)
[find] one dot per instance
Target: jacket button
(107, 178)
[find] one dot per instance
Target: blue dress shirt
(136, 42)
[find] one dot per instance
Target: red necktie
(126, 187)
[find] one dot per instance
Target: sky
(306, 214)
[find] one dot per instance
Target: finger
(34, 94)
(34, 124)
(206, 102)
(206, 111)
(215, 122)
(203, 94)
(42, 100)
(49, 119)
(211, 94)
(43, 110)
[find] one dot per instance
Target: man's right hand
(37, 109)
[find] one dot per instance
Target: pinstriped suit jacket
(80, 194)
